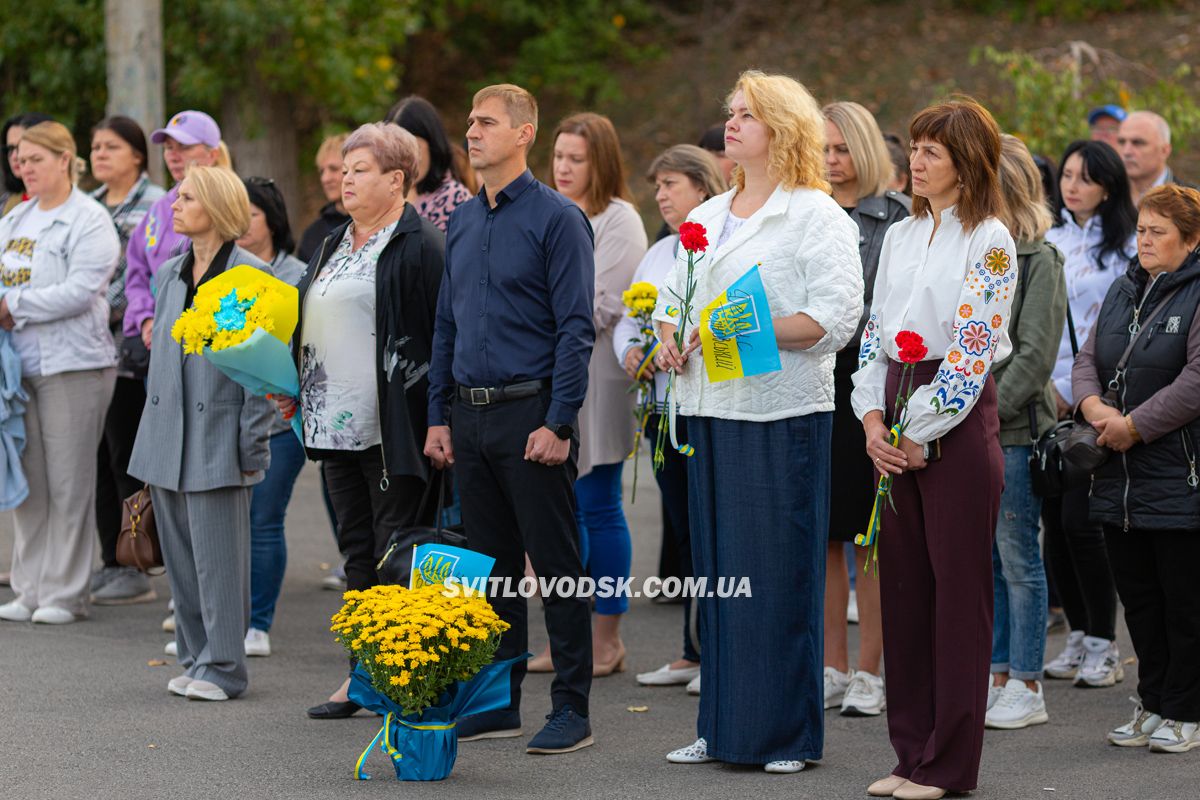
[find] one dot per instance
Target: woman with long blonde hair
(758, 484)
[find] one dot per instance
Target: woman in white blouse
(588, 170)
(684, 176)
(758, 484)
(948, 274)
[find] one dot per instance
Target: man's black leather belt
(487, 395)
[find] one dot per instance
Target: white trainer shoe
(665, 676)
(1017, 707)
(994, 691)
(1066, 664)
(14, 611)
(1175, 737)
(784, 767)
(835, 687)
(852, 608)
(172, 648)
(864, 696)
(204, 690)
(258, 643)
(52, 615)
(1136, 732)
(178, 685)
(694, 753)
(693, 686)
(1101, 664)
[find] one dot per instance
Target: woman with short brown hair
(948, 274)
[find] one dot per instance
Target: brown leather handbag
(137, 543)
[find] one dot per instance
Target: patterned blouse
(127, 215)
(339, 399)
(955, 291)
(437, 205)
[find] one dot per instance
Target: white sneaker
(179, 685)
(168, 624)
(784, 767)
(835, 687)
(693, 686)
(258, 643)
(1018, 707)
(852, 608)
(864, 696)
(52, 615)
(1101, 664)
(203, 690)
(14, 611)
(665, 676)
(172, 648)
(1175, 737)
(994, 691)
(1066, 664)
(1136, 732)
(695, 753)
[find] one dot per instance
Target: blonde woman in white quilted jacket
(758, 483)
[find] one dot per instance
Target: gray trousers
(205, 538)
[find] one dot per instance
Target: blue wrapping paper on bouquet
(262, 365)
(425, 747)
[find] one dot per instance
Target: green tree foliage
(1069, 10)
(1048, 97)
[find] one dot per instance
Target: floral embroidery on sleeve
(868, 351)
(976, 333)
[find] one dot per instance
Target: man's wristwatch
(561, 431)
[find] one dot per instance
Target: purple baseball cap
(188, 128)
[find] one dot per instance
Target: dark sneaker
(565, 732)
(125, 588)
(489, 725)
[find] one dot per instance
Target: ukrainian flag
(736, 334)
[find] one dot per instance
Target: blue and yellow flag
(736, 333)
(434, 563)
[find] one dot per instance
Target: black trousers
(511, 507)
(366, 513)
(113, 483)
(673, 484)
(1156, 578)
(1076, 555)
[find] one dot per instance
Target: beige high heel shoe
(600, 670)
(884, 787)
(915, 791)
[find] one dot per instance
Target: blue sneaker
(501, 724)
(565, 732)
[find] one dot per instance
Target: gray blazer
(199, 430)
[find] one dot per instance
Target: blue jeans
(268, 548)
(608, 551)
(1019, 629)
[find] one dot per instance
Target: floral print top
(339, 399)
(954, 288)
(437, 205)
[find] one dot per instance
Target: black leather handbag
(395, 567)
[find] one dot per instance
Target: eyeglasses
(10, 149)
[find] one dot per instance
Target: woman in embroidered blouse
(946, 273)
(589, 171)
(367, 304)
(437, 189)
(758, 484)
(1095, 230)
(119, 158)
(684, 176)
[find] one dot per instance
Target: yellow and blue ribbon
(870, 539)
(383, 740)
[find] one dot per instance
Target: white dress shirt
(656, 266)
(955, 290)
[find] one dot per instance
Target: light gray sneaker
(1136, 732)
(102, 576)
(127, 587)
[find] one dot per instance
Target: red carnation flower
(908, 339)
(693, 237)
(913, 353)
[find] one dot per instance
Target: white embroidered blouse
(956, 291)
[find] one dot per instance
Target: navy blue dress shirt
(516, 299)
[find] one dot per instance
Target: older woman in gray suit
(202, 443)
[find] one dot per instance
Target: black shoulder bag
(396, 565)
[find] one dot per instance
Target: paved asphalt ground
(84, 714)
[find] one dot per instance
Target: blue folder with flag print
(435, 563)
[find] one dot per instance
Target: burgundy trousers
(935, 573)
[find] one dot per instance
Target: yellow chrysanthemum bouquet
(241, 322)
(424, 658)
(640, 300)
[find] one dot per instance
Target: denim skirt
(758, 497)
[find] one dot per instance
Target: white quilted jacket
(807, 251)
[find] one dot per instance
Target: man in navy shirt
(511, 347)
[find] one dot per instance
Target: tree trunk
(133, 41)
